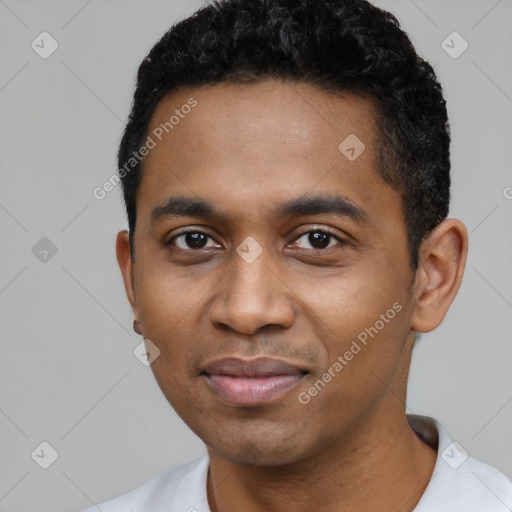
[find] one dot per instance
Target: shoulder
(461, 483)
(472, 487)
(181, 488)
(485, 485)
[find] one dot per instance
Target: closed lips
(247, 383)
(256, 368)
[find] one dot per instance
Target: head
(304, 148)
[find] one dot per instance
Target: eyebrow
(322, 204)
(180, 206)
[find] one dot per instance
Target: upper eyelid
(197, 230)
(324, 230)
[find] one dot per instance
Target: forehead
(246, 119)
(254, 144)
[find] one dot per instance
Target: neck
(381, 465)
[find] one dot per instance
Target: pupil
(319, 240)
(195, 240)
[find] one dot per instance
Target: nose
(252, 296)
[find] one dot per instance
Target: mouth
(249, 383)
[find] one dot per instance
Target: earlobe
(126, 266)
(441, 267)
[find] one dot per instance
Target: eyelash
(317, 230)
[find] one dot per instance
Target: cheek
(169, 298)
(362, 326)
(347, 303)
(169, 312)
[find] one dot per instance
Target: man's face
(298, 285)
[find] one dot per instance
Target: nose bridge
(252, 295)
(252, 278)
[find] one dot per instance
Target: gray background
(68, 375)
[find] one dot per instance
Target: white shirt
(458, 484)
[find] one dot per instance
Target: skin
(245, 148)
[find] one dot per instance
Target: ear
(442, 258)
(125, 262)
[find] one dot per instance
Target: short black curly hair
(336, 45)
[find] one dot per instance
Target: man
(285, 171)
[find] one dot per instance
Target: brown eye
(319, 239)
(191, 240)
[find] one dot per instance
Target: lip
(254, 382)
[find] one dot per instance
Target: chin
(267, 446)
(249, 454)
